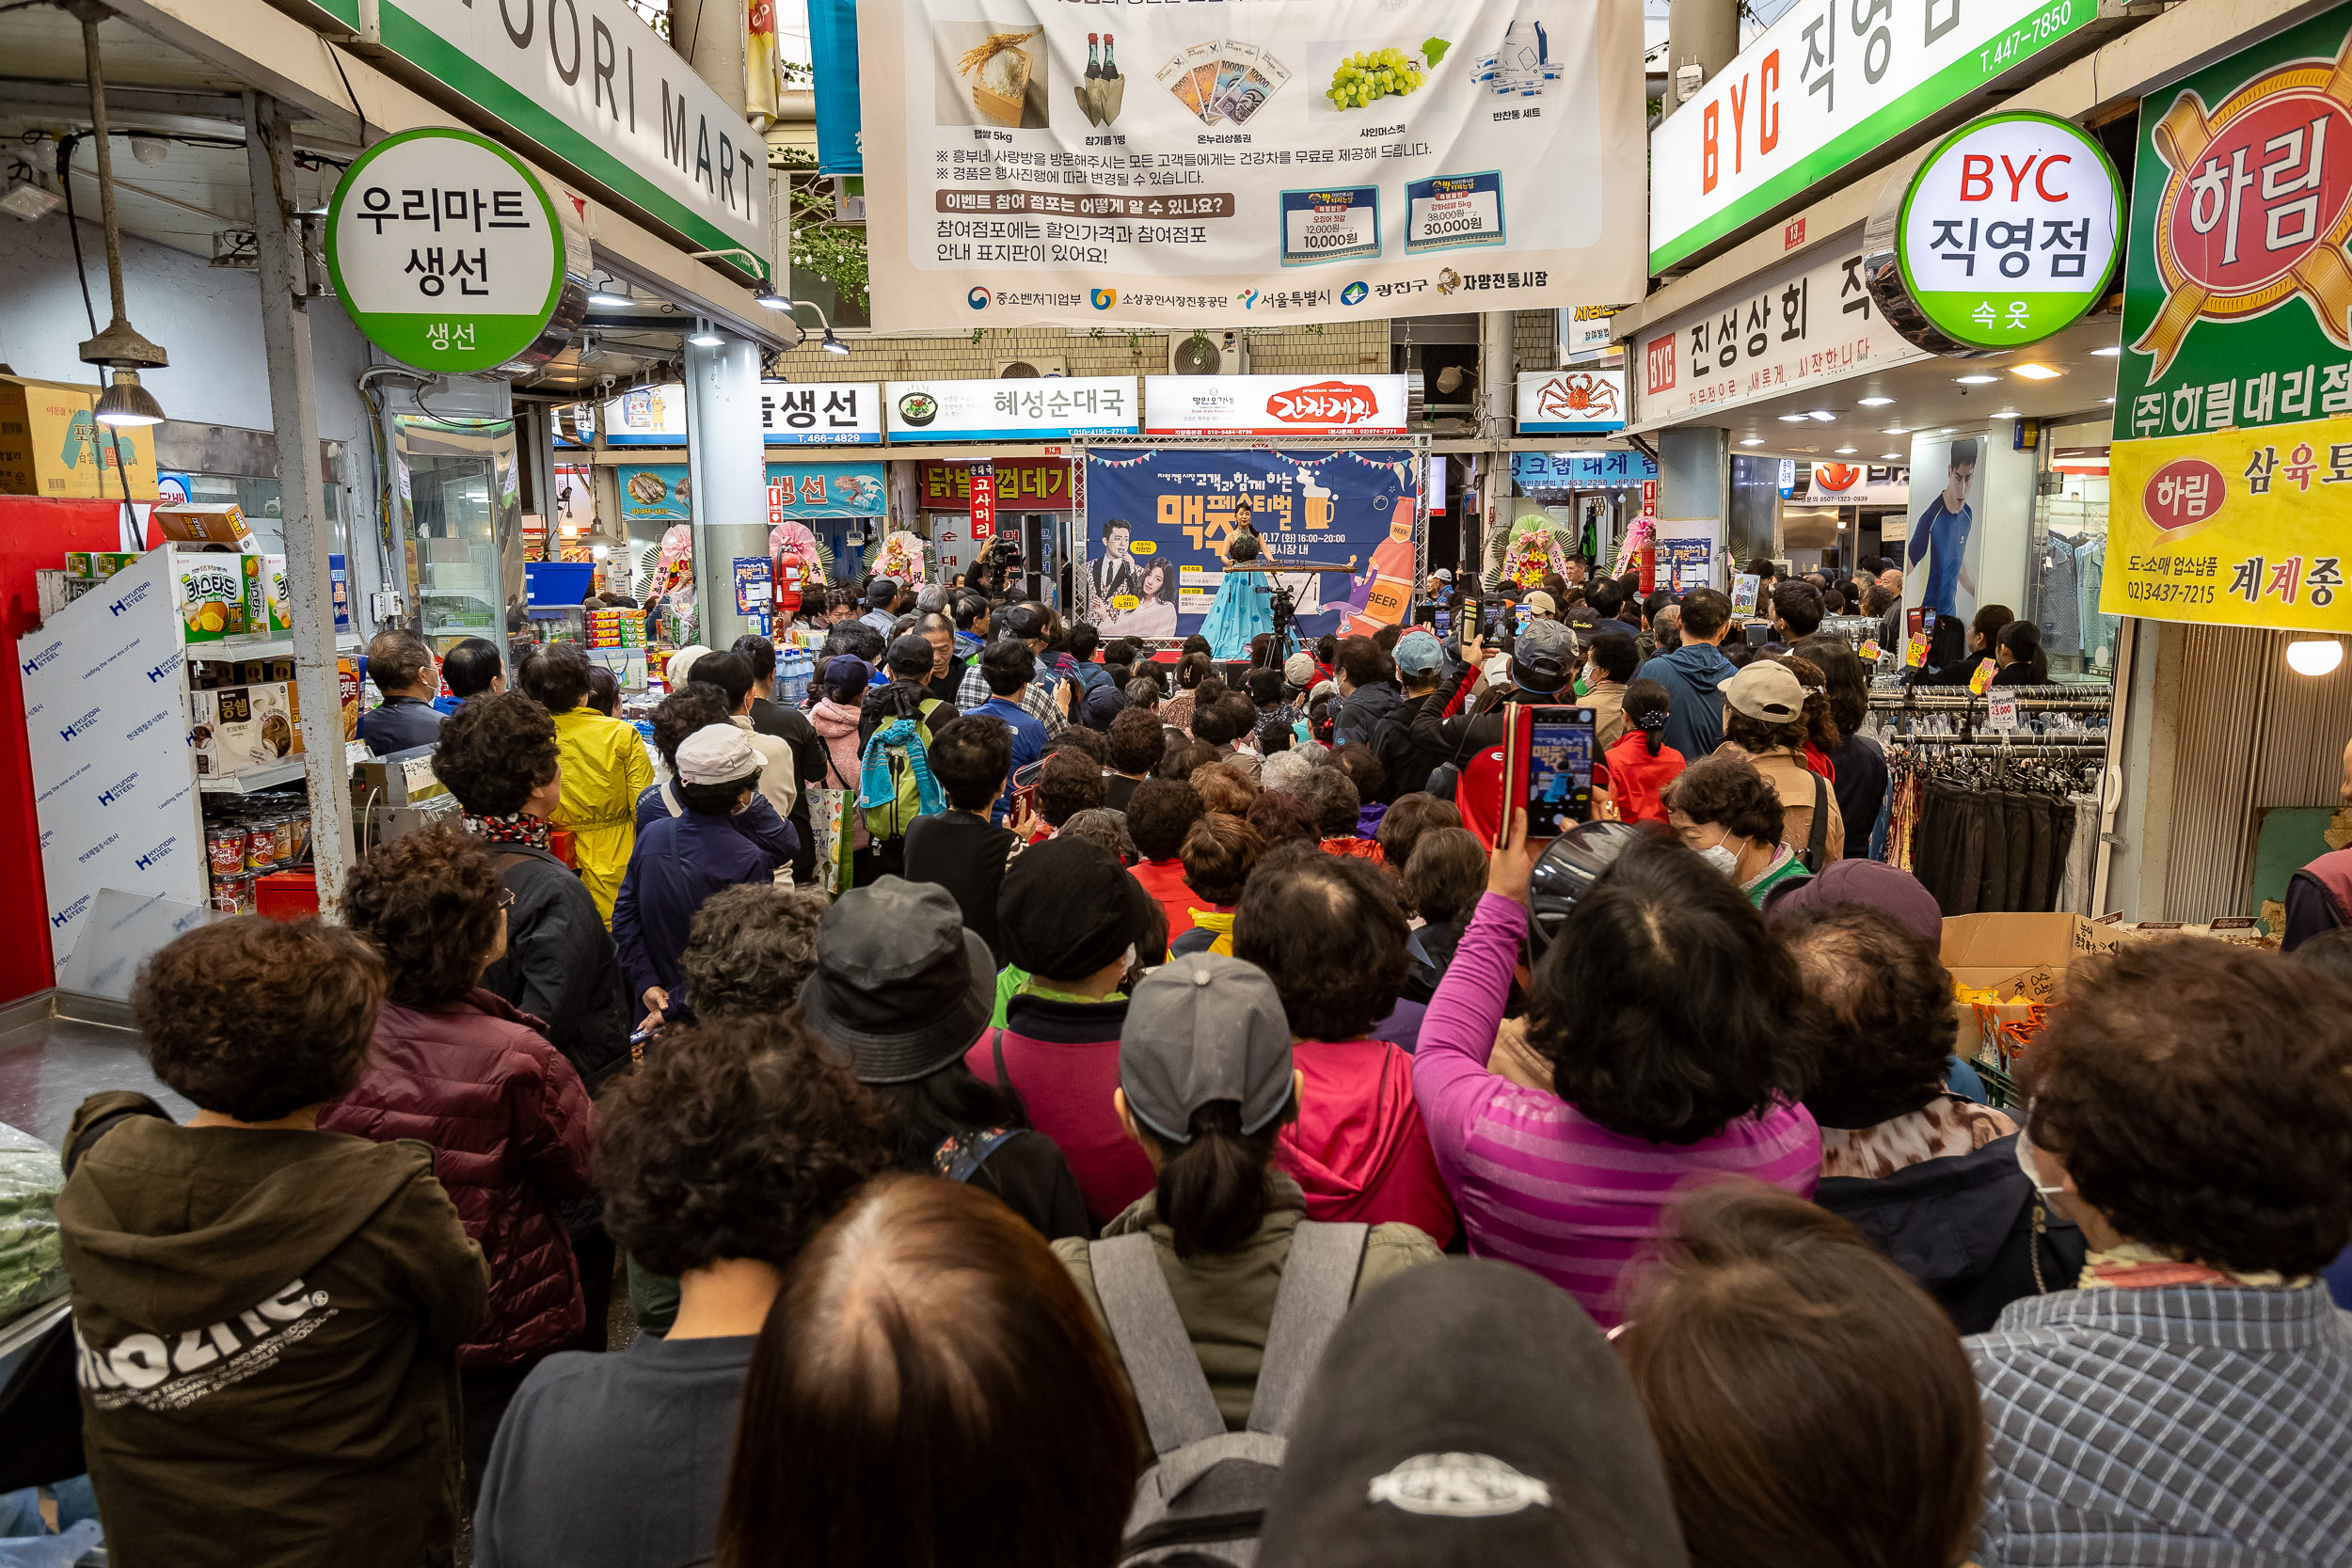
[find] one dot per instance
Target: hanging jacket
(268, 1324)
(507, 1120)
(605, 768)
(1967, 1226)
(1358, 1148)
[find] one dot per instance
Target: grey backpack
(1208, 1491)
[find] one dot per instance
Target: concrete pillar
(1705, 33)
(1695, 489)
(728, 466)
(310, 537)
(712, 35)
(1497, 381)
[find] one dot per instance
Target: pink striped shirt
(1540, 1185)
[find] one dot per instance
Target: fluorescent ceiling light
(1896, 455)
(610, 300)
(2035, 372)
(2106, 399)
(1751, 440)
(1873, 403)
(1821, 414)
(1895, 430)
(1976, 380)
(2109, 352)
(1794, 418)
(1848, 451)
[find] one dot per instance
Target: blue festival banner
(1157, 522)
(662, 492)
(840, 114)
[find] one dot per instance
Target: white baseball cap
(716, 755)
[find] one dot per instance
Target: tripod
(1284, 603)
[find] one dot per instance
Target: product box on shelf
(238, 728)
(52, 444)
(54, 588)
(265, 611)
(100, 564)
(351, 688)
(212, 598)
(204, 523)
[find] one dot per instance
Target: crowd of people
(1185, 1135)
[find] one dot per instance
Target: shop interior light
(1892, 456)
(2106, 399)
(1794, 418)
(1873, 403)
(1848, 451)
(1896, 429)
(610, 298)
(1821, 414)
(2109, 352)
(704, 338)
(773, 300)
(127, 402)
(2315, 656)
(1841, 525)
(2037, 371)
(833, 344)
(1976, 380)
(1751, 440)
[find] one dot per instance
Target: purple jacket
(507, 1120)
(1540, 1185)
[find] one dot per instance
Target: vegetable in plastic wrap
(32, 1264)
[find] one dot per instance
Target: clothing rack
(2081, 696)
(2087, 746)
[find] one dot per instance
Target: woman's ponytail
(1212, 1191)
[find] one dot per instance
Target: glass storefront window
(2068, 547)
(460, 507)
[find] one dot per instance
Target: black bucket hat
(899, 983)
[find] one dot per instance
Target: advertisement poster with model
(1164, 166)
(1159, 524)
(1945, 544)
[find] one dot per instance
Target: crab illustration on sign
(2258, 205)
(1582, 397)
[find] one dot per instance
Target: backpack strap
(1819, 839)
(1318, 1282)
(996, 1044)
(1164, 1370)
(98, 1129)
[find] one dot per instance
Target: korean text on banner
(1581, 470)
(2240, 528)
(1156, 522)
(1252, 163)
(2237, 287)
(1274, 405)
(1030, 409)
(1828, 86)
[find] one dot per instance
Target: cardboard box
(2022, 960)
(350, 689)
(52, 444)
(266, 613)
(212, 598)
(236, 729)
(203, 523)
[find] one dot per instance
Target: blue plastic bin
(555, 584)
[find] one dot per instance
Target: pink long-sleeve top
(1537, 1182)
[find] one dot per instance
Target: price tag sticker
(1915, 653)
(1871, 650)
(1981, 681)
(2001, 714)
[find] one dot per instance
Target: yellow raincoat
(605, 769)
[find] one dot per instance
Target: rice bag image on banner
(990, 73)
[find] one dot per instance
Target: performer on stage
(1244, 603)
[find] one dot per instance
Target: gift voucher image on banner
(1248, 160)
(2240, 528)
(1157, 522)
(2237, 288)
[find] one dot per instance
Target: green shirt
(1013, 981)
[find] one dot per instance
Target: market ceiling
(1871, 416)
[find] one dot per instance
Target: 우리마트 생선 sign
(2005, 236)
(445, 251)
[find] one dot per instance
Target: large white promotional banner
(1078, 163)
(107, 723)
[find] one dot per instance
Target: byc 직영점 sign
(445, 251)
(2005, 235)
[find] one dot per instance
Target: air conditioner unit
(1035, 365)
(1212, 353)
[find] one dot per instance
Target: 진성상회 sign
(445, 251)
(2003, 237)
(1156, 166)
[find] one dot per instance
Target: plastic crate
(286, 894)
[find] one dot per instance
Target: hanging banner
(662, 492)
(982, 523)
(832, 59)
(1220, 161)
(1581, 470)
(1825, 88)
(1274, 405)
(1022, 485)
(792, 414)
(1157, 521)
(2237, 285)
(2238, 527)
(1031, 408)
(1571, 403)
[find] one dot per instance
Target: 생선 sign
(2003, 237)
(445, 251)
(1164, 165)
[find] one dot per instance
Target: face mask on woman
(1723, 857)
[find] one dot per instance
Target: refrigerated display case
(454, 455)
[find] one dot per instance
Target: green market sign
(1833, 87)
(2005, 236)
(2237, 284)
(445, 251)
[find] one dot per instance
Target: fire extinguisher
(1649, 567)
(789, 570)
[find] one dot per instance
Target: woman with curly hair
(720, 1158)
(457, 1067)
(497, 755)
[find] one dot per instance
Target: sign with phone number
(2240, 528)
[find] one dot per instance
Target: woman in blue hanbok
(1243, 606)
